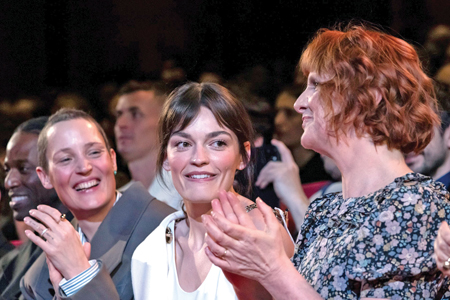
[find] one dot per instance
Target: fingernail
(213, 214)
(31, 211)
(26, 220)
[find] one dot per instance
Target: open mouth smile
(86, 185)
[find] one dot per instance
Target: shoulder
(416, 193)
(153, 210)
(156, 237)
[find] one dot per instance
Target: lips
(16, 201)
(306, 119)
(200, 175)
(82, 186)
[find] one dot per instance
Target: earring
(115, 172)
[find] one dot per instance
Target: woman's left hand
(442, 248)
(242, 248)
(60, 242)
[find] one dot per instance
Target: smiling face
(310, 105)
(22, 182)
(80, 168)
(203, 158)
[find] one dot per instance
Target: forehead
(205, 121)
(21, 145)
(143, 100)
(72, 133)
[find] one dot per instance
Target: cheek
(60, 180)
(228, 161)
(177, 161)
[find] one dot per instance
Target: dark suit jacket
(127, 224)
(5, 246)
(15, 264)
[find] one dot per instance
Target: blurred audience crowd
(268, 99)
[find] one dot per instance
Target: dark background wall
(82, 44)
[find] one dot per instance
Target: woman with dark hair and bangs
(206, 137)
(367, 102)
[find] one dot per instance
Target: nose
(200, 156)
(122, 121)
(302, 103)
(12, 179)
(83, 166)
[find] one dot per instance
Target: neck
(301, 155)
(197, 230)
(144, 169)
(367, 168)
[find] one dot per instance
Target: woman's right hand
(442, 248)
(62, 244)
(237, 246)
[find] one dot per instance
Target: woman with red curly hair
(367, 103)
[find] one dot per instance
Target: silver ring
(44, 231)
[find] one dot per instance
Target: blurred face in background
(22, 182)
(136, 128)
(288, 122)
(432, 157)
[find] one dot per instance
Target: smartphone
(265, 154)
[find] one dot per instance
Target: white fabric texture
(153, 270)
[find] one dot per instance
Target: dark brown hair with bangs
(182, 107)
(377, 86)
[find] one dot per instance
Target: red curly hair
(378, 85)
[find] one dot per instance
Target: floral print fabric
(378, 246)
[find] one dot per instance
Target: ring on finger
(62, 217)
(44, 231)
(224, 254)
(447, 264)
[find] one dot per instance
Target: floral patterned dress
(378, 246)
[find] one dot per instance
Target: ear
(44, 178)
(166, 165)
(112, 153)
(248, 149)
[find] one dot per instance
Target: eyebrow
(87, 145)
(18, 161)
(209, 135)
(130, 109)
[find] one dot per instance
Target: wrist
(280, 265)
(75, 270)
(287, 283)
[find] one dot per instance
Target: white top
(154, 273)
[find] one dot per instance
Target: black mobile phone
(270, 153)
(265, 154)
